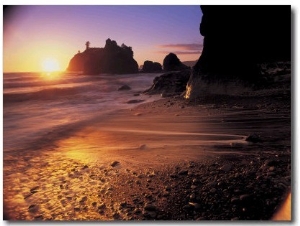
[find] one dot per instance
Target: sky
(34, 33)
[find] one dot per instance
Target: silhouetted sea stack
(111, 59)
(172, 63)
(150, 67)
(239, 38)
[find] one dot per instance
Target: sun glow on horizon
(50, 65)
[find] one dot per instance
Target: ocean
(39, 108)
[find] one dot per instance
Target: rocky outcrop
(151, 67)
(172, 63)
(111, 59)
(170, 84)
(237, 39)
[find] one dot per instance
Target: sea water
(36, 105)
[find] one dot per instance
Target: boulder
(172, 63)
(169, 84)
(150, 67)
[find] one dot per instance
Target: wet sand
(172, 159)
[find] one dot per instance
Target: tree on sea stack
(237, 41)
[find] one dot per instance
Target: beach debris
(114, 163)
(124, 87)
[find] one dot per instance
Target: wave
(45, 94)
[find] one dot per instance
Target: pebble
(183, 172)
(124, 87)
(197, 206)
(32, 208)
(150, 207)
(114, 163)
(143, 147)
(34, 189)
(213, 190)
(226, 168)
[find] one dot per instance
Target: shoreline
(163, 160)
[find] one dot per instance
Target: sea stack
(236, 40)
(112, 59)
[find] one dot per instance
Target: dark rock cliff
(111, 59)
(237, 39)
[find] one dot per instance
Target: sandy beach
(218, 158)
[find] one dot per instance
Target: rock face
(150, 67)
(238, 38)
(111, 59)
(172, 63)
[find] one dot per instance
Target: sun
(50, 65)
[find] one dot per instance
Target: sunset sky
(32, 34)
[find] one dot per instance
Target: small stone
(254, 138)
(183, 172)
(150, 207)
(124, 87)
(85, 167)
(226, 168)
(197, 206)
(143, 147)
(192, 196)
(94, 204)
(272, 168)
(114, 163)
(167, 188)
(213, 190)
(245, 197)
(34, 189)
(32, 208)
(195, 181)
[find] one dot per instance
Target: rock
(143, 147)
(196, 206)
(150, 207)
(254, 138)
(111, 59)
(172, 63)
(183, 172)
(33, 208)
(226, 168)
(245, 197)
(114, 163)
(213, 190)
(169, 84)
(226, 59)
(150, 67)
(134, 101)
(124, 87)
(34, 189)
